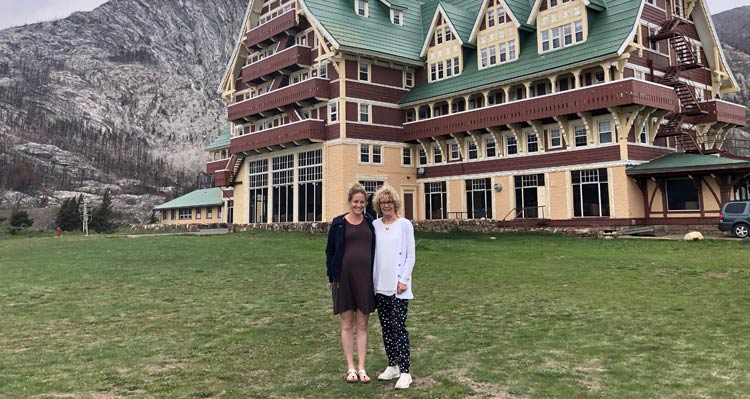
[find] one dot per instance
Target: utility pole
(85, 218)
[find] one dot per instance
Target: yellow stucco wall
(240, 195)
(193, 219)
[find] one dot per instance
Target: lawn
(248, 315)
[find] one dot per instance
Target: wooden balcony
(285, 61)
(601, 96)
(720, 111)
(266, 34)
(311, 90)
(280, 137)
(221, 178)
(213, 166)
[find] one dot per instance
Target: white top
(394, 257)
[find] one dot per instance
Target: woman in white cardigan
(394, 262)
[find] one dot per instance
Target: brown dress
(355, 288)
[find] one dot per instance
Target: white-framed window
(439, 36)
(605, 132)
(186, 213)
(397, 17)
(490, 148)
(408, 79)
(568, 34)
(555, 138)
(436, 199)
(483, 57)
(370, 154)
(562, 36)
(448, 68)
(472, 149)
(511, 50)
(580, 136)
(422, 156)
(493, 55)
(579, 30)
(333, 112)
(410, 115)
(448, 34)
(599, 77)
(653, 44)
(198, 213)
(209, 212)
(643, 135)
(491, 18)
(545, 40)
(454, 152)
(406, 156)
(364, 71)
(437, 154)
(500, 16)
(479, 198)
(364, 113)
(590, 193)
(362, 8)
(556, 43)
(532, 142)
(512, 145)
(440, 70)
(323, 70)
(310, 186)
(301, 39)
(257, 191)
(282, 188)
(433, 72)
(456, 66)
(679, 8)
(502, 52)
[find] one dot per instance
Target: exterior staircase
(684, 136)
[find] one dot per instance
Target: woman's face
(357, 204)
(386, 206)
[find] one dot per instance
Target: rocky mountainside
(122, 97)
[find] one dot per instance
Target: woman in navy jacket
(349, 261)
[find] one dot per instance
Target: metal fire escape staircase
(686, 59)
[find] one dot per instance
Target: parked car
(735, 217)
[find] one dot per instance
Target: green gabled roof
(210, 196)
(461, 19)
(521, 9)
(376, 32)
(608, 31)
(223, 140)
(676, 162)
(599, 3)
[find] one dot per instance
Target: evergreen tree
(20, 219)
(103, 214)
(68, 217)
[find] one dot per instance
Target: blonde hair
(356, 188)
(391, 193)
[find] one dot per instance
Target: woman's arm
(409, 246)
(330, 251)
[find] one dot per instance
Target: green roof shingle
(676, 162)
(210, 196)
(223, 140)
(608, 31)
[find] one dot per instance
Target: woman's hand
(401, 288)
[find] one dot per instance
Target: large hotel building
(573, 112)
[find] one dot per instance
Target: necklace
(388, 226)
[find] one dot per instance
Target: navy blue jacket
(335, 246)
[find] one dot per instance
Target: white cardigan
(406, 255)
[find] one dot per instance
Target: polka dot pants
(392, 313)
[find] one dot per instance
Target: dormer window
(362, 8)
(448, 35)
(439, 36)
(397, 17)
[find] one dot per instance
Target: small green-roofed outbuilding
(204, 197)
(685, 163)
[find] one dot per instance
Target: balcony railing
(601, 96)
(274, 101)
(212, 167)
(720, 111)
(287, 60)
(310, 129)
(265, 33)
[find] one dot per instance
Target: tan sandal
(351, 376)
(363, 377)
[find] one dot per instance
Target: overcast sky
(19, 12)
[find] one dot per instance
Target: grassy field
(248, 315)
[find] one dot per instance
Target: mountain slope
(126, 91)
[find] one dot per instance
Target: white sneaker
(404, 381)
(389, 373)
